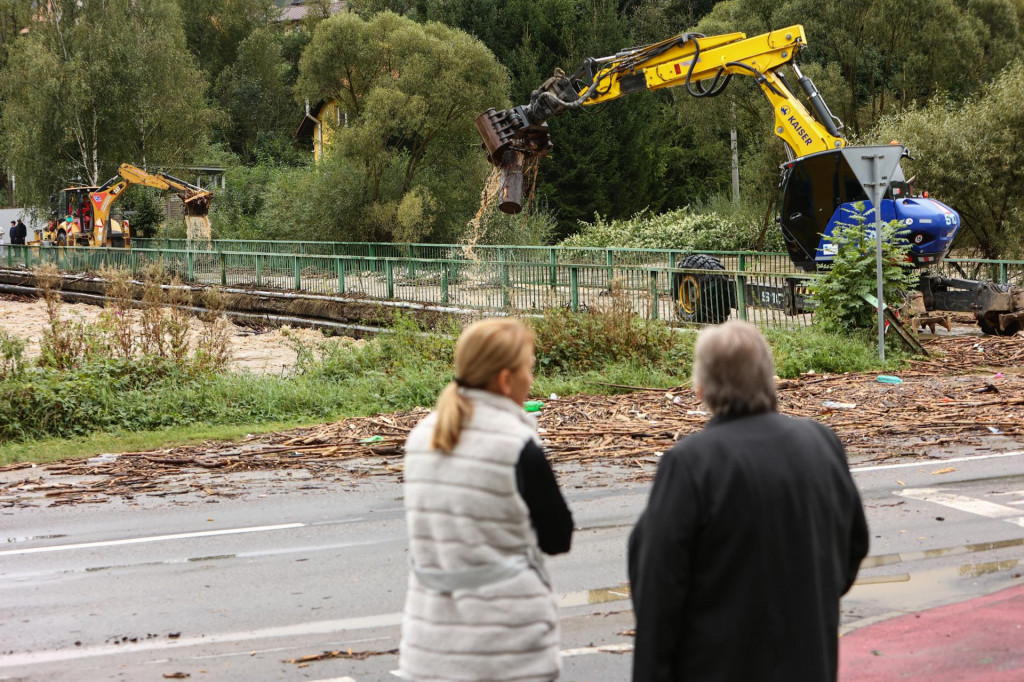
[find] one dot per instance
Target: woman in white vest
(482, 504)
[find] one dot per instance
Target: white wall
(9, 214)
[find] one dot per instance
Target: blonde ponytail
(452, 409)
(483, 350)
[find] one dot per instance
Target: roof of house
(297, 11)
(308, 124)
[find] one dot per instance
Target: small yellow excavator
(81, 215)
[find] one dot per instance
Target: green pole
(389, 277)
(654, 294)
(609, 260)
(506, 284)
(259, 270)
(444, 286)
(741, 289)
(341, 275)
(574, 288)
(553, 274)
(223, 269)
(298, 274)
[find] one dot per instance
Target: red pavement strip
(978, 639)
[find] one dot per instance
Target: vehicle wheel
(702, 297)
(62, 239)
(990, 325)
(117, 241)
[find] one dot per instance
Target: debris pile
(972, 395)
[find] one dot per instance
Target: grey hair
(734, 370)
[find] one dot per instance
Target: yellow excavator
(818, 185)
(81, 215)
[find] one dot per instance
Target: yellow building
(319, 125)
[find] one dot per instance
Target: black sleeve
(549, 513)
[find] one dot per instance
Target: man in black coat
(753, 531)
(18, 232)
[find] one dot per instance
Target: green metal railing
(508, 280)
(1004, 271)
(555, 255)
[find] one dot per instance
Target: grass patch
(133, 404)
(53, 449)
(811, 348)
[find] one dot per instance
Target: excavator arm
(519, 135)
(195, 199)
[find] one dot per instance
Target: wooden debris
(349, 654)
(943, 402)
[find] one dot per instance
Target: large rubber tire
(702, 297)
(990, 325)
(62, 238)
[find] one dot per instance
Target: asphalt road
(234, 589)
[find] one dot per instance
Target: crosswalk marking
(971, 505)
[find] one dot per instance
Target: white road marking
(963, 503)
(623, 648)
(152, 538)
(932, 462)
(315, 628)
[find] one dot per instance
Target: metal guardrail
(555, 255)
(509, 282)
(1003, 271)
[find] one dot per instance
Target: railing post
(373, 257)
(574, 288)
(190, 264)
(654, 295)
(223, 269)
(1002, 272)
(609, 261)
(506, 284)
(341, 275)
(444, 285)
(389, 278)
(553, 274)
(259, 269)
(298, 274)
(741, 289)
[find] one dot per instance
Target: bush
(839, 291)
(717, 227)
(569, 342)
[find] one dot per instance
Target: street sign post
(874, 167)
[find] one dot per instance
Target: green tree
(144, 209)
(215, 29)
(407, 164)
(839, 291)
(971, 155)
(99, 82)
(255, 94)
